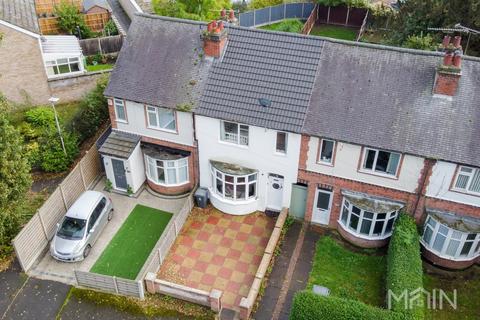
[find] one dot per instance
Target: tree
(191, 9)
(15, 179)
(421, 42)
(69, 19)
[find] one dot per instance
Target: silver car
(81, 226)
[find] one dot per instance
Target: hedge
(308, 305)
(404, 265)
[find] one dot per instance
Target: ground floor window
(449, 242)
(367, 223)
(61, 66)
(234, 187)
(167, 172)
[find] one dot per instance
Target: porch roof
(454, 221)
(119, 144)
(372, 203)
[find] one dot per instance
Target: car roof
(84, 205)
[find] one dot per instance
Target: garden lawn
(336, 32)
(349, 274)
(127, 252)
(98, 67)
(288, 25)
(467, 284)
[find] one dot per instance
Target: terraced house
(345, 134)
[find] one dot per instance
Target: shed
(62, 55)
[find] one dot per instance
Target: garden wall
(74, 88)
(33, 239)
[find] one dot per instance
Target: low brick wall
(210, 299)
(247, 303)
(74, 88)
(360, 242)
(445, 263)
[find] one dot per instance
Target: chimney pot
(457, 60)
(231, 14)
(446, 41)
(220, 26)
(210, 27)
(223, 13)
(447, 59)
(457, 42)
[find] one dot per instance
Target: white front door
(322, 206)
(275, 192)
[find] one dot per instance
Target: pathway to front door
(322, 206)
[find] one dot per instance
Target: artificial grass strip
(127, 252)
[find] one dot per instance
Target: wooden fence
(110, 284)
(95, 21)
(312, 19)
(342, 15)
(101, 45)
(48, 6)
(32, 240)
(363, 27)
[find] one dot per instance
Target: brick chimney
(449, 72)
(214, 39)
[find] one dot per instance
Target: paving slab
(11, 282)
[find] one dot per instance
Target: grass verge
(288, 25)
(99, 67)
(336, 32)
(348, 274)
(130, 247)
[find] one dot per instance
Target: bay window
(380, 161)
(448, 242)
(167, 172)
(234, 187)
(366, 223)
(234, 133)
(161, 118)
(468, 180)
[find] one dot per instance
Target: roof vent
(265, 102)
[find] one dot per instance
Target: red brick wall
(436, 260)
(111, 113)
(214, 48)
(363, 243)
(446, 84)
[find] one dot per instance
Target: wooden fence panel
(48, 6)
(52, 211)
(72, 187)
(101, 45)
(30, 242)
(48, 25)
(95, 21)
(110, 284)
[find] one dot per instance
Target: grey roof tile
(20, 13)
(119, 144)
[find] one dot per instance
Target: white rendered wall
(259, 155)
(442, 176)
(137, 123)
(346, 166)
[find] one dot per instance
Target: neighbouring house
(96, 6)
(30, 60)
(347, 135)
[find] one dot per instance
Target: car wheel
(110, 215)
(87, 250)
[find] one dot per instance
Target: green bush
(289, 25)
(69, 19)
(40, 116)
(308, 305)
(93, 112)
(258, 4)
(404, 265)
(52, 157)
(421, 42)
(110, 29)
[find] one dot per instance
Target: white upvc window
(234, 187)
(381, 162)
(366, 224)
(120, 110)
(281, 142)
(327, 150)
(167, 172)
(161, 118)
(234, 133)
(450, 243)
(468, 180)
(63, 66)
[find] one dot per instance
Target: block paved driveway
(218, 251)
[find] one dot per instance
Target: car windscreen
(72, 228)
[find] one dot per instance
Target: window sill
(233, 144)
(167, 185)
(459, 259)
(121, 121)
(280, 154)
(378, 174)
(229, 201)
(465, 192)
(162, 130)
(328, 164)
(362, 236)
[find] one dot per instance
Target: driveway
(48, 268)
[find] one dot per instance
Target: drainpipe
(422, 187)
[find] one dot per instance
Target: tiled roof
(119, 144)
(20, 13)
(257, 65)
(382, 97)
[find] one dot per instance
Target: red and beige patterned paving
(218, 251)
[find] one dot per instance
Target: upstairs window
(380, 161)
(234, 133)
(161, 118)
(63, 65)
(120, 112)
(281, 143)
(468, 180)
(327, 148)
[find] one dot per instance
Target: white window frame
(282, 152)
(470, 175)
(120, 103)
(320, 160)
(373, 171)
(449, 236)
(53, 63)
(166, 165)
(361, 217)
(235, 138)
(219, 175)
(153, 110)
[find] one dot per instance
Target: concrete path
(283, 283)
